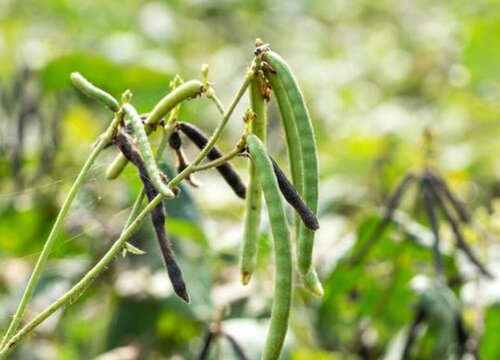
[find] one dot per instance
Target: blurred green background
(375, 76)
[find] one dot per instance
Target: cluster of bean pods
(269, 73)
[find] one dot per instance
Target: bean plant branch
(240, 147)
(10, 341)
(71, 296)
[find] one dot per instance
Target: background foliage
(375, 74)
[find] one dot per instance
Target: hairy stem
(80, 287)
(42, 259)
(222, 160)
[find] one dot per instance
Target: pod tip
(183, 294)
(312, 283)
(245, 277)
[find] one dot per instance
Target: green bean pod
(147, 153)
(302, 157)
(188, 90)
(280, 312)
(248, 256)
(94, 92)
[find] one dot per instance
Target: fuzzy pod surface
(280, 312)
(249, 248)
(302, 156)
(147, 153)
(94, 92)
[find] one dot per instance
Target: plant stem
(42, 259)
(78, 289)
(222, 160)
(215, 99)
(167, 131)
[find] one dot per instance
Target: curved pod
(302, 155)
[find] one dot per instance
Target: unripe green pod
(188, 90)
(302, 154)
(282, 249)
(94, 92)
(248, 257)
(147, 153)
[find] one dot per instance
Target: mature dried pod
(293, 198)
(430, 204)
(175, 140)
(128, 149)
(226, 170)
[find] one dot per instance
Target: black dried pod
(293, 198)
(430, 209)
(127, 147)
(175, 140)
(226, 170)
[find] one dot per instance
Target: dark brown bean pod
(175, 143)
(127, 147)
(430, 204)
(226, 170)
(182, 163)
(175, 140)
(293, 198)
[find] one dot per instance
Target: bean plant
(267, 74)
